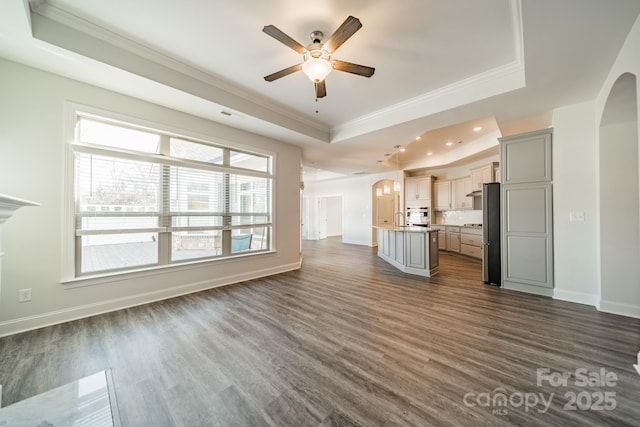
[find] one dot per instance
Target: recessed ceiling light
(429, 153)
(477, 128)
(417, 138)
(402, 149)
(449, 144)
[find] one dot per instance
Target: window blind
(145, 199)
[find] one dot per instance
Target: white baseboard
(357, 242)
(573, 296)
(28, 323)
(629, 310)
(531, 289)
(612, 307)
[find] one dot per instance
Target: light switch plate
(576, 216)
(24, 295)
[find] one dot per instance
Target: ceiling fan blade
(352, 68)
(277, 34)
(282, 73)
(342, 34)
(321, 89)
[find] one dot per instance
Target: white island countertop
(408, 228)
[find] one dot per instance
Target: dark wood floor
(346, 340)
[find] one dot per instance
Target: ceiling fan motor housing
(316, 36)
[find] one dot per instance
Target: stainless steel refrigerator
(491, 264)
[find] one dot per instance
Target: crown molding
(70, 32)
(491, 83)
(506, 78)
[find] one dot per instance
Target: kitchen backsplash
(459, 217)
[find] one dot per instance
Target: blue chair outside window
(241, 242)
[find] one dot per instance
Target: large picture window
(146, 198)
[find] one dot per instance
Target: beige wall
(585, 174)
(32, 105)
(620, 292)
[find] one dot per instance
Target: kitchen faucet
(395, 216)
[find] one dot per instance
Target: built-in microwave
(419, 216)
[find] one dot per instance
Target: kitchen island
(413, 250)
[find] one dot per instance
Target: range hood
(476, 193)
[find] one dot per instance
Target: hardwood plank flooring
(346, 340)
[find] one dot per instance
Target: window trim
(74, 111)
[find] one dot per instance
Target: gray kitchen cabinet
(399, 246)
(442, 236)
(434, 253)
(526, 158)
(411, 250)
(442, 239)
(527, 210)
(416, 250)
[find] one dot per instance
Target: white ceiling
(442, 67)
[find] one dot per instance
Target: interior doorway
(385, 205)
(329, 216)
(619, 198)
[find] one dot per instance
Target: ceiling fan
(317, 61)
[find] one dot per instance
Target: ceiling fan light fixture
(317, 69)
(317, 60)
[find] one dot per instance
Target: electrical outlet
(24, 295)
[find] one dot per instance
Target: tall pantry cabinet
(527, 226)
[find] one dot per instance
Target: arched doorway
(619, 198)
(385, 204)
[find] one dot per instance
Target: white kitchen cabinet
(471, 242)
(453, 239)
(442, 190)
(418, 191)
(482, 175)
(459, 190)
